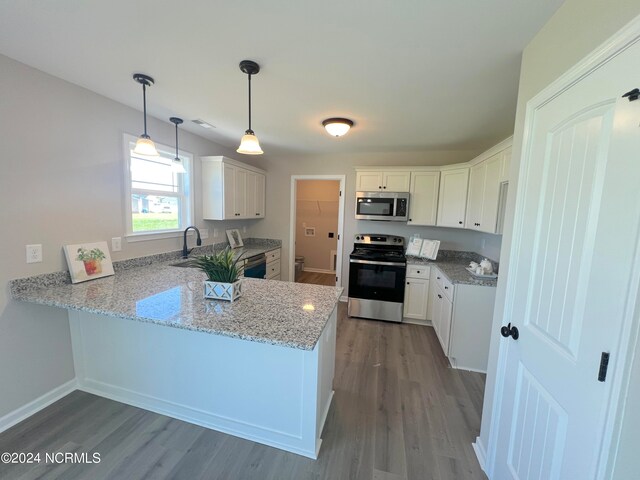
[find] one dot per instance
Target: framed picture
(235, 240)
(88, 261)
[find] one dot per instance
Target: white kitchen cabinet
(416, 293)
(462, 317)
(484, 194)
(231, 190)
(506, 164)
(255, 183)
(273, 264)
(423, 204)
(452, 198)
(391, 181)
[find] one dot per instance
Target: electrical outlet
(116, 244)
(34, 253)
(204, 233)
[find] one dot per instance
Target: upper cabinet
(231, 190)
(485, 181)
(423, 203)
(452, 200)
(389, 180)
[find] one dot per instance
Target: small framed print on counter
(235, 240)
(88, 261)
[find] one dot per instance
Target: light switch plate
(34, 253)
(116, 244)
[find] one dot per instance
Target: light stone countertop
(454, 269)
(269, 311)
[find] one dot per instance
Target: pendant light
(337, 127)
(177, 165)
(144, 145)
(249, 144)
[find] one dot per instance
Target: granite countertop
(453, 267)
(274, 312)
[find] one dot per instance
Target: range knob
(358, 237)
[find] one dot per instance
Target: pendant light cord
(144, 106)
(250, 104)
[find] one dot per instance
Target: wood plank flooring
(327, 279)
(399, 413)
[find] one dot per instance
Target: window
(158, 198)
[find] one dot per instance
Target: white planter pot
(223, 291)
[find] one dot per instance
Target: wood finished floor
(327, 279)
(398, 413)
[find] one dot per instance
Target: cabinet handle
(408, 283)
(440, 296)
(446, 288)
(418, 271)
(460, 223)
(411, 219)
(438, 278)
(379, 187)
(384, 187)
(257, 214)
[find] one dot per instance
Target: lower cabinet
(273, 265)
(462, 316)
(416, 292)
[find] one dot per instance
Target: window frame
(186, 193)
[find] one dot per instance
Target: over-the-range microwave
(389, 206)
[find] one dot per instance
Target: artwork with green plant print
(93, 254)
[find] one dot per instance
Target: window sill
(143, 236)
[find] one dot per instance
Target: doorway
(317, 206)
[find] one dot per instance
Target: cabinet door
(368, 181)
(452, 200)
(228, 188)
(491, 196)
(423, 204)
(506, 164)
(415, 298)
(431, 313)
(446, 311)
(240, 193)
(260, 196)
(396, 181)
(477, 175)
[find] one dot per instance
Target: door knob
(509, 331)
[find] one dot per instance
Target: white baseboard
(344, 298)
(34, 406)
(481, 454)
(318, 270)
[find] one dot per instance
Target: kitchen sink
(186, 263)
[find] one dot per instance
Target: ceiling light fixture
(337, 127)
(177, 165)
(144, 145)
(249, 144)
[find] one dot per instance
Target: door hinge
(336, 279)
(604, 364)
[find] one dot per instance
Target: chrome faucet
(185, 251)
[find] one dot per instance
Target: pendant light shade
(144, 145)
(177, 165)
(337, 127)
(249, 144)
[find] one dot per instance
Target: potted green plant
(223, 274)
(92, 260)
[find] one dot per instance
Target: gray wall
(62, 182)
(577, 28)
(280, 170)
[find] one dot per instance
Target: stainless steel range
(377, 269)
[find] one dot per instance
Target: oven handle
(373, 262)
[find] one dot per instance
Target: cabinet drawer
(273, 255)
(418, 271)
(273, 269)
(445, 285)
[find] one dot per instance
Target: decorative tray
(477, 275)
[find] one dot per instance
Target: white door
(576, 226)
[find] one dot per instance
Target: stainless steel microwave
(389, 206)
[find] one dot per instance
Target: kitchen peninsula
(259, 368)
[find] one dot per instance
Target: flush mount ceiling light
(144, 145)
(337, 127)
(249, 144)
(177, 162)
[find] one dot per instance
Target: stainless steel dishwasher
(256, 266)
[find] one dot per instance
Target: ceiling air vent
(203, 124)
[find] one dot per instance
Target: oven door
(373, 280)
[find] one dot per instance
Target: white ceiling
(412, 74)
